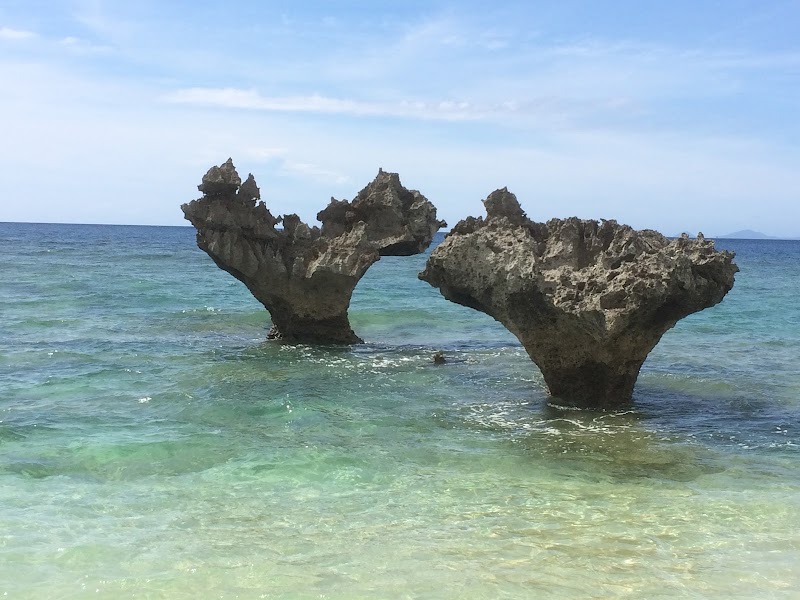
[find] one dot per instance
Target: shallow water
(153, 444)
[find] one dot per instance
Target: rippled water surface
(153, 444)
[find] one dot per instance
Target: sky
(672, 115)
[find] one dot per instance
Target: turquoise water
(153, 444)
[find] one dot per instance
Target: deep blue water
(154, 444)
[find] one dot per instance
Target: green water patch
(10, 433)
(99, 460)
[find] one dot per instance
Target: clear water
(153, 444)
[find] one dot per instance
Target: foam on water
(154, 444)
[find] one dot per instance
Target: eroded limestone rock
(305, 276)
(588, 300)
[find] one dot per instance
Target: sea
(154, 443)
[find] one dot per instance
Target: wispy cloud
(445, 69)
(252, 100)
(99, 19)
(318, 173)
(16, 35)
(550, 110)
(262, 153)
(72, 44)
(658, 130)
(81, 46)
(282, 158)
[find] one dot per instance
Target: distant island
(743, 234)
(748, 234)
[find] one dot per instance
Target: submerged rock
(305, 276)
(588, 300)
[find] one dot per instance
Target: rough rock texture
(587, 299)
(303, 275)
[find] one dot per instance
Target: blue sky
(667, 115)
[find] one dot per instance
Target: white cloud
(459, 109)
(285, 164)
(80, 46)
(318, 173)
(99, 18)
(262, 153)
(108, 135)
(14, 35)
(71, 43)
(542, 109)
(252, 100)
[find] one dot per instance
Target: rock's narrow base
(335, 330)
(591, 385)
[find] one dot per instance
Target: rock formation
(587, 299)
(305, 276)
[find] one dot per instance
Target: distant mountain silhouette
(742, 234)
(748, 234)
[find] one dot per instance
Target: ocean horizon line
(188, 226)
(727, 236)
